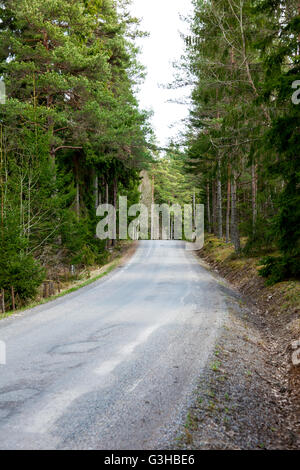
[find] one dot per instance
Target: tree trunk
(2, 301)
(115, 195)
(152, 207)
(228, 206)
(107, 202)
(1, 180)
(29, 209)
(100, 191)
(219, 201)
(214, 207)
(77, 200)
(254, 196)
(194, 208)
(96, 191)
(153, 185)
(208, 207)
(106, 193)
(235, 237)
(52, 156)
(13, 298)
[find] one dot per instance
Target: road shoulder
(241, 401)
(119, 260)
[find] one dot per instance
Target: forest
(242, 141)
(72, 134)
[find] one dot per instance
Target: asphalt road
(111, 366)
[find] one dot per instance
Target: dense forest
(72, 135)
(243, 143)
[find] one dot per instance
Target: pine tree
(282, 64)
(72, 132)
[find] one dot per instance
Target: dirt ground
(249, 396)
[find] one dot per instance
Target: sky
(161, 18)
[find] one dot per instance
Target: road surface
(113, 365)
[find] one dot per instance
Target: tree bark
(1, 180)
(214, 207)
(228, 206)
(96, 191)
(107, 202)
(115, 195)
(106, 193)
(219, 201)
(13, 298)
(235, 236)
(153, 185)
(2, 301)
(194, 208)
(254, 196)
(77, 198)
(208, 208)
(152, 206)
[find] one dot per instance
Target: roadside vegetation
(69, 283)
(280, 300)
(71, 135)
(242, 143)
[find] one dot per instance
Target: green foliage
(71, 129)
(279, 268)
(243, 131)
(18, 268)
(173, 185)
(261, 239)
(283, 139)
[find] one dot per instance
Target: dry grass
(281, 299)
(86, 277)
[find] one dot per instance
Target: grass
(215, 366)
(110, 267)
(191, 422)
(243, 272)
(224, 253)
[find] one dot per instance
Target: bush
(18, 269)
(25, 274)
(277, 269)
(261, 240)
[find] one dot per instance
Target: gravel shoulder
(242, 399)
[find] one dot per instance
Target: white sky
(161, 19)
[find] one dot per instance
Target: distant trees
(72, 135)
(243, 136)
(172, 185)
